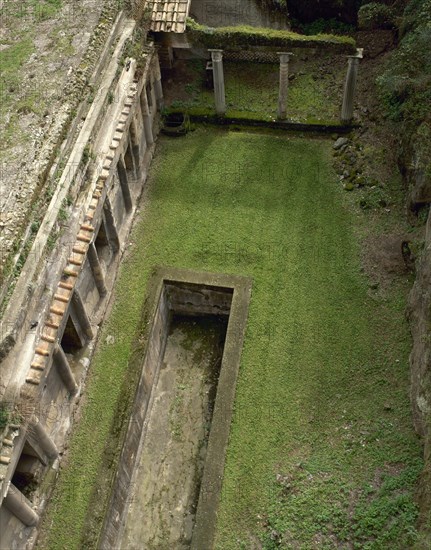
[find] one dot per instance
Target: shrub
(417, 13)
(405, 86)
(376, 16)
(328, 26)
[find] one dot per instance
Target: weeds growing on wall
(245, 36)
(4, 416)
(405, 87)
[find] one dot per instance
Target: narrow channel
(165, 493)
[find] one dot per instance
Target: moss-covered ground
(315, 94)
(322, 453)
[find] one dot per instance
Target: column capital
(358, 55)
(285, 56)
(216, 55)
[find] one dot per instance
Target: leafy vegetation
(17, 99)
(343, 11)
(405, 88)
(322, 450)
(376, 16)
(44, 9)
(32, 10)
(11, 58)
(405, 85)
(323, 26)
(4, 416)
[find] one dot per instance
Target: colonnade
(285, 57)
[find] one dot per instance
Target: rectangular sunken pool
(168, 483)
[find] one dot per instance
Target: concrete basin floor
(166, 488)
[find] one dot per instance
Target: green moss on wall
(245, 36)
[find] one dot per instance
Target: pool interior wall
(163, 460)
(170, 467)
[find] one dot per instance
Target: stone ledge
(312, 127)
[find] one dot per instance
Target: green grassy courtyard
(322, 452)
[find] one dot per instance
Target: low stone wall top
(249, 37)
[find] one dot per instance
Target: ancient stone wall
(420, 363)
(20, 215)
(44, 368)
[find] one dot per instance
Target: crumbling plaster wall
(31, 377)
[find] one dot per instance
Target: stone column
(140, 125)
(135, 149)
(96, 268)
(158, 85)
(42, 437)
(111, 227)
(146, 116)
(124, 184)
(20, 507)
(284, 84)
(64, 370)
(350, 86)
(148, 129)
(129, 159)
(81, 312)
(219, 92)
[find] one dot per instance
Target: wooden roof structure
(168, 15)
